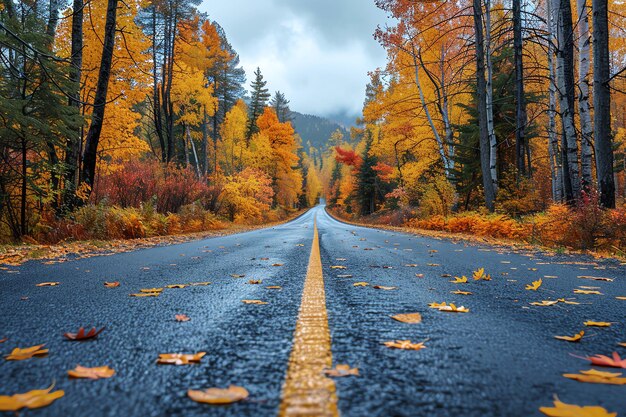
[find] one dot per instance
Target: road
(499, 359)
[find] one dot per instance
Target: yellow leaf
(91, 373)
(544, 303)
(597, 377)
(253, 302)
(535, 285)
(361, 284)
(146, 294)
(199, 284)
(338, 267)
(31, 399)
(180, 358)
(412, 318)
(460, 280)
(342, 370)
(478, 274)
(274, 287)
(575, 338)
(621, 298)
(405, 344)
(19, 354)
(47, 284)
(561, 409)
(459, 292)
(219, 396)
(597, 323)
(151, 290)
(577, 291)
(454, 309)
(171, 286)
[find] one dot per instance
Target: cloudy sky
(317, 52)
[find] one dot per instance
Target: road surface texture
(499, 359)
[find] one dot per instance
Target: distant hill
(316, 130)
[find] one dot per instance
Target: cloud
(317, 52)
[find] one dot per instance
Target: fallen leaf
(419, 275)
(535, 285)
(544, 303)
(411, 265)
(338, 267)
(219, 396)
(602, 360)
(480, 274)
(277, 264)
(576, 338)
(577, 291)
(47, 284)
(182, 317)
(112, 284)
(340, 259)
(459, 292)
(91, 373)
(451, 308)
(180, 358)
(4, 340)
(255, 281)
(199, 284)
(344, 276)
(460, 280)
(561, 409)
(382, 287)
(597, 323)
(342, 370)
(31, 399)
(151, 290)
(445, 275)
(172, 286)
(81, 335)
(274, 287)
(361, 284)
(595, 278)
(19, 354)
(238, 275)
(598, 377)
(405, 344)
(412, 318)
(621, 298)
(432, 264)
(146, 294)
(253, 302)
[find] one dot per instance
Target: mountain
(316, 130)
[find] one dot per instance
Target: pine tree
(258, 101)
(367, 187)
(281, 107)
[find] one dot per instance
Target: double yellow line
(307, 391)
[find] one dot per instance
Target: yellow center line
(307, 391)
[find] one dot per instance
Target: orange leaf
(255, 281)
(180, 358)
(569, 410)
(91, 373)
(151, 290)
(405, 344)
(81, 335)
(182, 317)
(277, 264)
(253, 302)
(111, 284)
(598, 377)
(31, 399)
(19, 354)
(412, 318)
(602, 360)
(576, 338)
(219, 396)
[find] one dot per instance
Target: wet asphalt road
(500, 359)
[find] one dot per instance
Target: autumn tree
(258, 100)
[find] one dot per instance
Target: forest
(504, 119)
(501, 118)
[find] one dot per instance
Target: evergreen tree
(367, 186)
(335, 180)
(281, 107)
(258, 101)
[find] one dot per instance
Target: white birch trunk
(493, 145)
(584, 60)
(553, 139)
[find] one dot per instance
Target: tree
(367, 187)
(281, 106)
(258, 100)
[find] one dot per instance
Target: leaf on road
(274, 287)
(31, 399)
(238, 275)
(561, 409)
(622, 344)
(4, 339)
(19, 354)
(405, 344)
(342, 370)
(411, 265)
(218, 395)
(544, 303)
(91, 373)
(47, 284)
(597, 323)
(112, 284)
(81, 335)
(255, 281)
(340, 259)
(535, 285)
(173, 286)
(451, 308)
(151, 290)
(199, 284)
(603, 360)
(445, 275)
(480, 274)
(383, 287)
(277, 264)
(595, 278)
(344, 276)
(180, 358)
(182, 317)
(459, 292)
(412, 318)
(576, 338)
(621, 298)
(577, 291)
(598, 377)
(433, 265)
(146, 294)
(419, 275)
(460, 280)
(361, 284)
(338, 267)
(253, 302)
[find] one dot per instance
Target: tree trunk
(602, 104)
(205, 143)
(99, 105)
(520, 97)
(553, 139)
(584, 58)
(493, 142)
(481, 102)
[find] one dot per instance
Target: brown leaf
(47, 284)
(180, 358)
(342, 370)
(412, 318)
(31, 399)
(255, 281)
(4, 340)
(405, 344)
(91, 373)
(81, 335)
(219, 396)
(112, 284)
(19, 354)
(172, 286)
(277, 264)
(253, 302)
(182, 317)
